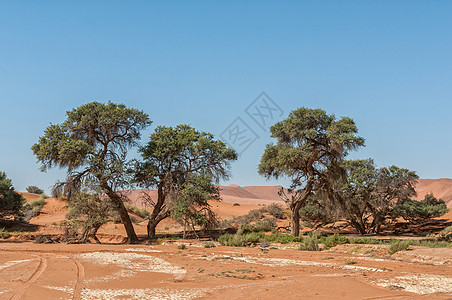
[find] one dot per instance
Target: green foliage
(365, 240)
(418, 211)
(334, 240)
(310, 146)
(209, 245)
(181, 162)
(309, 244)
(141, 212)
(34, 207)
(11, 202)
(237, 240)
(397, 246)
(282, 238)
(4, 234)
(88, 211)
(34, 190)
(182, 247)
(255, 220)
(189, 205)
(365, 197)
(276, 210)
(92, 144)
(261, 225)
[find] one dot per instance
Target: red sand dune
(441, 188)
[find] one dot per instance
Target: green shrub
(33, 208)
(276, 210)
(209, 245)
(34, 190)
(334, 240)
(238, 240)
(265, 224)
(4, 234)
(309, 244)
(141, 212)
(417, 211)
(282, 238)
(365, 240)
(182, 247)
(399, 246)
(436, 244)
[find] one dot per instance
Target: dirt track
(60, 271)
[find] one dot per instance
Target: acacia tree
(92, 145)
(419, 211)
(365, 197)
(87, 212)
(310, 146)
(11, 202)
(190, 206)
(174, 155)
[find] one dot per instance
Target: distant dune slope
(441, 188)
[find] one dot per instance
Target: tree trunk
(125, 218)
(295, 225)
(151, 229)
(156, 217)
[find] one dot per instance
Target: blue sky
(386, 64)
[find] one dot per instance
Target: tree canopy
(34, 190)
(309, 149)
(11, 202)
(419, 211)
(92, 145)
(174, 156)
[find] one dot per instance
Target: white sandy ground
(419, 284)
(134, 261)
(151, 294)
(13, 262)
(142, 250)
(282, 262)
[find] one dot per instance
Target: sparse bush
(182, 247)
(276, 210)
(282, 238)
(264, 244)
(237, 240)
(209, 245)
(350, 261)
(141, 212)
(309, 244)
(398, 246)
(87, 213)
(4, 234)
(365, 240)
(265, 224)
(34, 190)
(236, 204)
(33, 208)
(446, 234)
(334, 240)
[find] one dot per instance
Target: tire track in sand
(80, 278)
(38, 271)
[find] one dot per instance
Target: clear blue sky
(386, 64)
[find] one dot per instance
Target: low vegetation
(397, 246)
(34, 190)
(11, 202)
(34, 207)
(309, 244)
